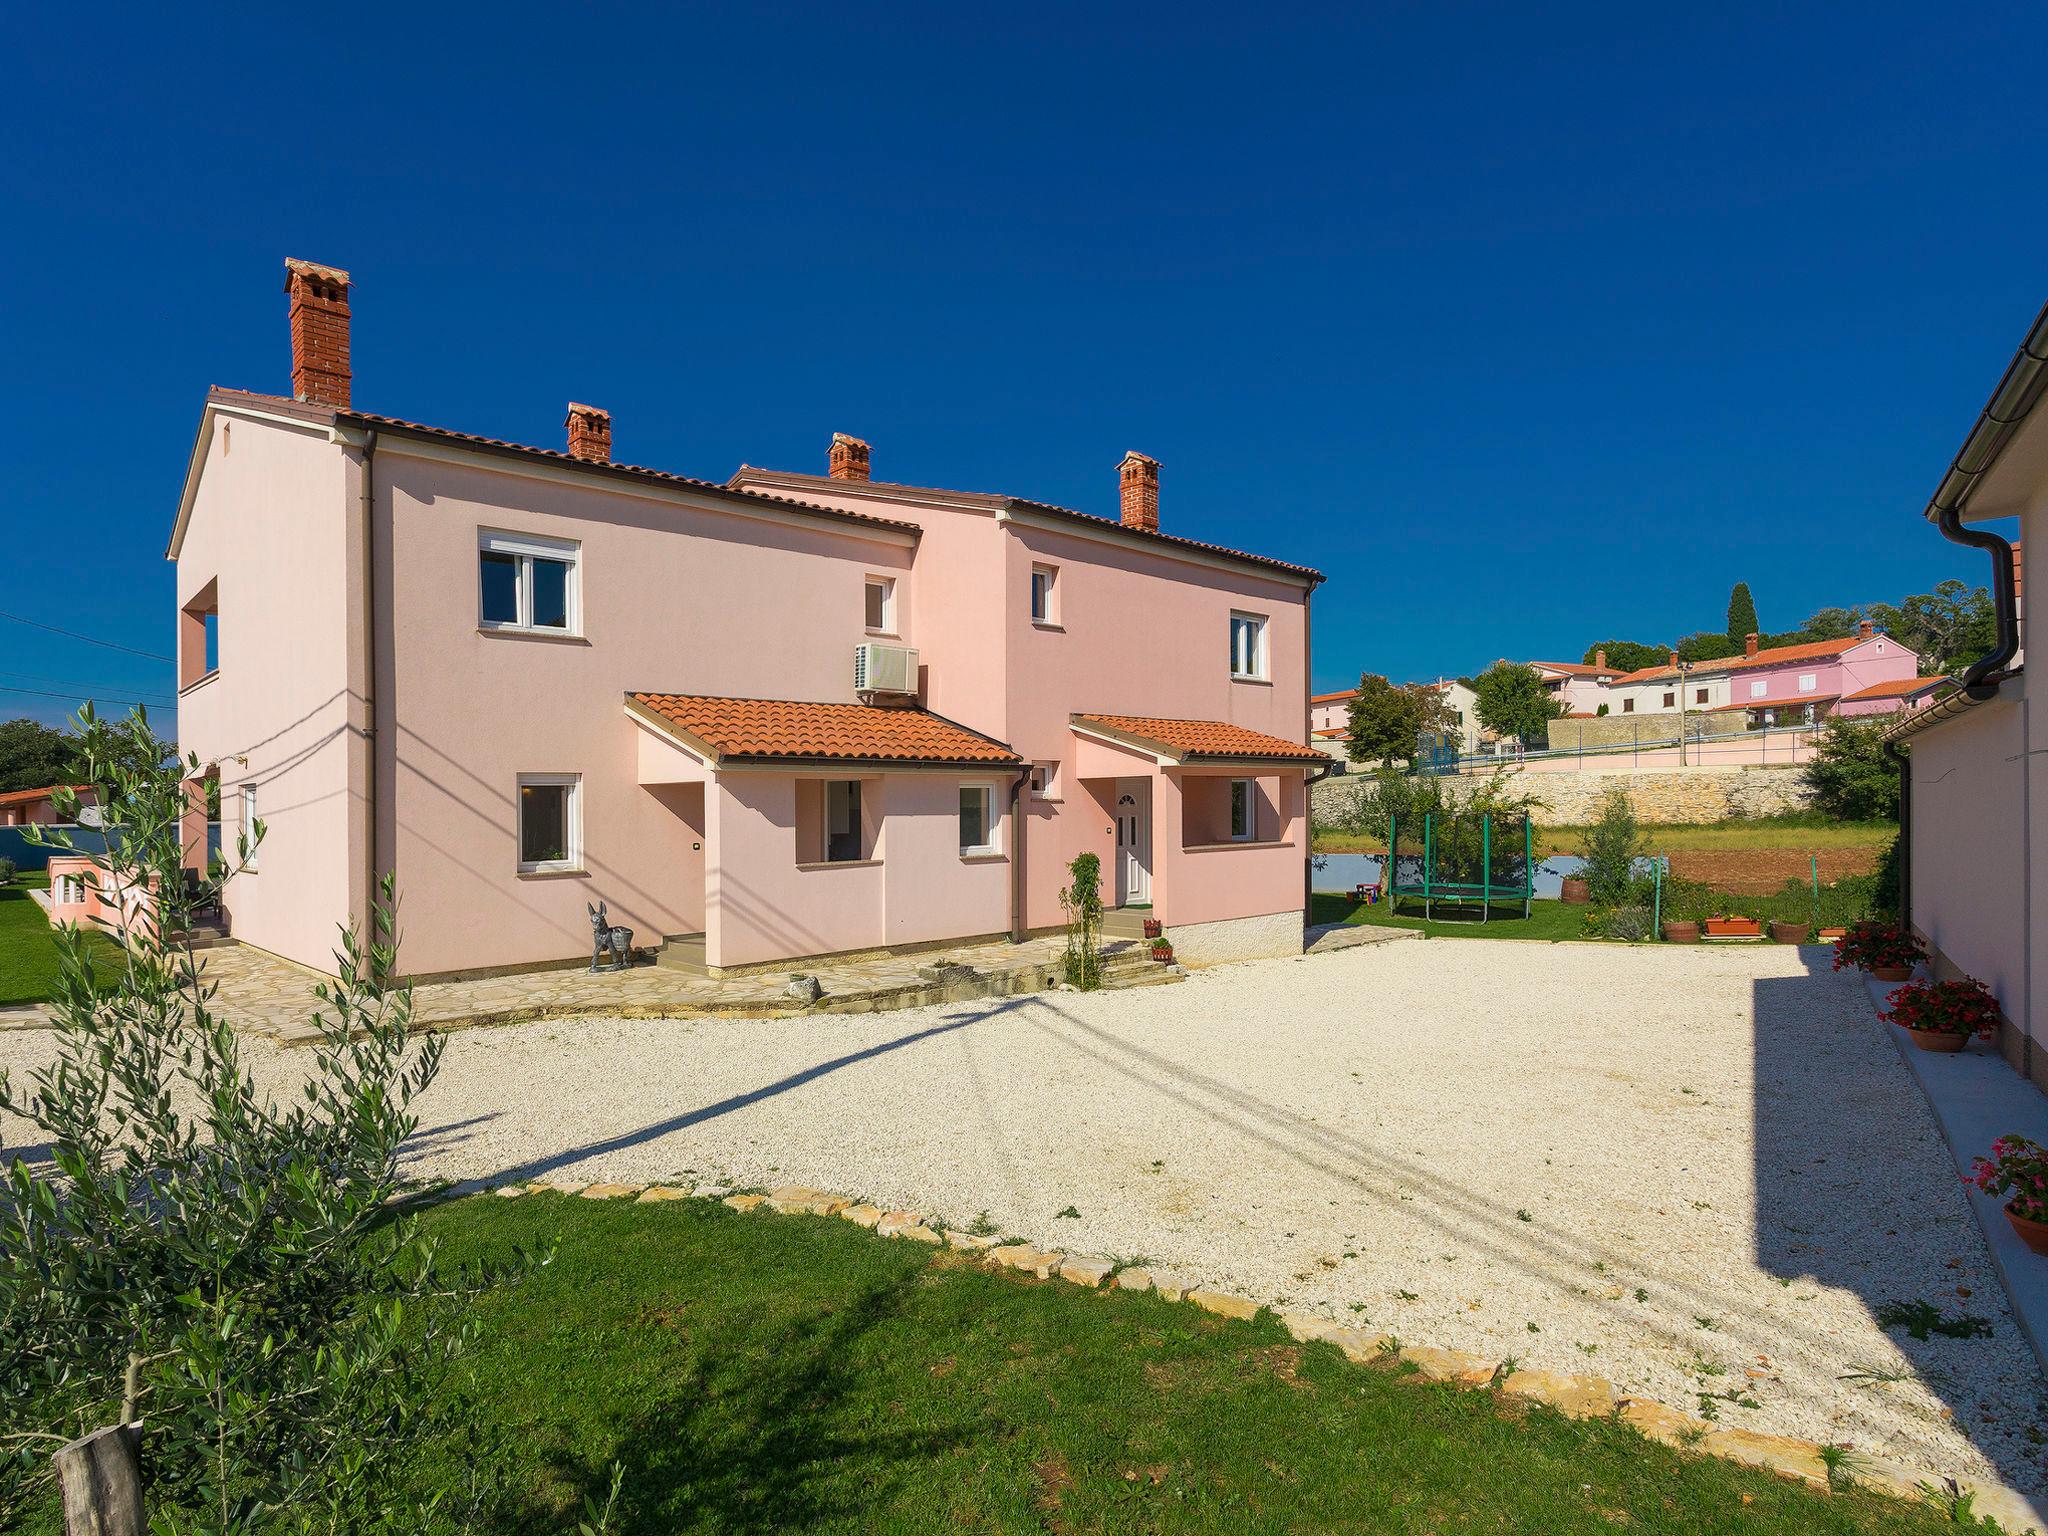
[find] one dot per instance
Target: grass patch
(753, 1373)
(1548, 920)
(1796, 833)
(28, 947)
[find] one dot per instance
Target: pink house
(1866, 674)
(1579, 687)
(783, 716)
(21, 807)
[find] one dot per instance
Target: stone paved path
(266, 996)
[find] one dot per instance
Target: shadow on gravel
(1810, 1172)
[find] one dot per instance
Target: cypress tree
(1741, 613)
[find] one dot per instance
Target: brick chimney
(849, 458)
(1600, 660)
(1674, 661)
(1866, 629)
(1749, 643)
(590, 433)
(1138, 478)
(319, 312)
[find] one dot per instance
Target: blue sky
(1531, 327)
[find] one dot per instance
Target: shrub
(1610, 848)
(1081, 900)
(1631, 922)
(1946, 1008)
(1876, 943)
(1851, 777)
(8, 870)
(2018, 1169)
(1884, 893)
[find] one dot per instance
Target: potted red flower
(1886, 950)
(1942, 1015)
(2018, 1169)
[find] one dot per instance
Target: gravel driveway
(1697, 1172)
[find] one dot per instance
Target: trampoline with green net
(1468, 861)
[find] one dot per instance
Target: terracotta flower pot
(1681, 933)
(1162, 953)
(1789, 933)
(1938, 1040)
(2033, 1233)
(1892, 972)
(1576, 891)
(1153, 928)
(1829, 935)
(1734, 928)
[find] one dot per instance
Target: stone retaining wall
(1658, 796)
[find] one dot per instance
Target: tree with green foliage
(1851, 775)
(1947, 628)
(188, 1251)
(1741, 614)
(34, 756)
(1610, 847)
(1081, 900)
(1706, 646)
(1512, 701)
(1628, 655)
(1385, 722)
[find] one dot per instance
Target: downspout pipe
(2025, 381)
(1017, 824)
(369, 516)
(1904, 763)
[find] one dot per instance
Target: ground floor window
(248, 826)
(550, 822)
(1243, 815)
(832, 823)
(977, 819)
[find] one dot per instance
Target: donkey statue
(607, 940)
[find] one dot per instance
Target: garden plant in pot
(1789, 932)
(1942, 1015)
(1884, 949)
(1162, 950)
(2018, 1169)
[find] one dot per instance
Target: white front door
(1133, 848)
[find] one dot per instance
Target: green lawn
(28, 951)
(1552, 920)
(771, 1373)
(1802, 832)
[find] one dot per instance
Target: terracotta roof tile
(1898, 688)
(1333, 698)
(1776, 656)
(559, 456)
(1792, 703)
(791, 730)
(1577, 669)
(22, 796)
(1202, 738)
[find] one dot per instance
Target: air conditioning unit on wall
(884, 668)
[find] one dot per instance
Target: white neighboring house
(1329, 717)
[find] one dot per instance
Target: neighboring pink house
(21, 807)
(786, 716)
(1578, 687)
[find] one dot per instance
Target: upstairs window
(1808, 681)
(1757, 689)
(1628, 706)
(1043, 578)
(977, 819)
(1699, 695)
(199, 636)
(1045, 781)
(528, 583)
(1243, 811)
(1670, 700)
(881, 605)
(1247, 646)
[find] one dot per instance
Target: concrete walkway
(1977, 1098)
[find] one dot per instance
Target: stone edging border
(1575, 1396)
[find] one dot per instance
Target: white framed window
(881, 605)
(1758, 689)
(527, 583)
(977, 819)
(1243, 810)
(1808, 681)
(844, 839)
(1248, 645)
(550, 822)
(1044, 593)
(1045, 781)
(248, 798)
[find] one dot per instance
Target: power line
(44, 693)
(112, 689)
(71, 634)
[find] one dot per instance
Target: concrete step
(1154, 975)
(683, 952)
